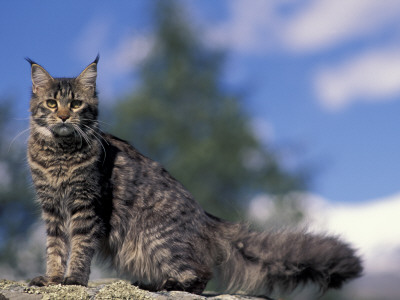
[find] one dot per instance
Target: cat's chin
(63, 130)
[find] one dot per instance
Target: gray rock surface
(98, 290)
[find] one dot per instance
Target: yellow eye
(76, 104)
(51, 103)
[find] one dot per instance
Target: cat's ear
(88, 76)
(40, 78)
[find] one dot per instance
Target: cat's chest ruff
(59, 168)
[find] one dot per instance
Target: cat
(98, 194)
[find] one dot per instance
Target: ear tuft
(96, 59)
(30, 61)
(88, 76)
(40, 78)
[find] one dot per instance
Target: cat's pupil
(76, 104)
(51, 103)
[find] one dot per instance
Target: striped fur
(100, 195)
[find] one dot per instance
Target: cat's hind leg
(190, 280)
(195, 286)
(187, 281)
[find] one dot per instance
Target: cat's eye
(76, 104)
(51, 103)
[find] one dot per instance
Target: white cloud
(307, 26)
(326, 23)
(122, 60)
(315, 26)
(372, 227)
(262, 27)
(367, 76)
(92, 38)
(251, 27)
(120, 56)
(129, 52)
(118, 59)
(372, 76)
(261, 207)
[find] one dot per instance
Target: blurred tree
(17, 209)
(181, 116)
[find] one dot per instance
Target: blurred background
(283, 113)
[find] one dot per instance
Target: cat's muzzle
(63, 129)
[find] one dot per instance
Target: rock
(98, 290)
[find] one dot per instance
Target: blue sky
(321, 78)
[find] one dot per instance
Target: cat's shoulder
(120, 147)
(110, 139)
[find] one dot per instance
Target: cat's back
(120, 150)
(137, 178)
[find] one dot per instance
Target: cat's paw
(45, 281)
(39, 281)
(72, 280)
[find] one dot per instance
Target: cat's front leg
(85, 230)
(56, 249)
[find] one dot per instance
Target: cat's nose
(64, 117)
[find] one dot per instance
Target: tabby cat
(98, 194)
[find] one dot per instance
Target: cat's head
(63, 107)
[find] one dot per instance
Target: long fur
(98, 194)
(260, 262)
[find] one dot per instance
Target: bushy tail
(259, 263)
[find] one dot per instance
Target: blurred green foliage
(182, 116)
(17, 209)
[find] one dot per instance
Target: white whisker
(82, 134)
(98, 137)
(94, 131)
(77, 133)
(14, 139)
(97, 121)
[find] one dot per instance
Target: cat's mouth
(63, 129)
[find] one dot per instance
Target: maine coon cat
(98, 194)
